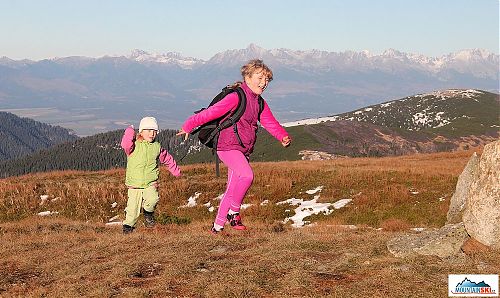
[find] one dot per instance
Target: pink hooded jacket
(247, 125)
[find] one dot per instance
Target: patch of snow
(308, 208)
(264, 203)
(445, 122)
(43, 198)
(310, 121)
(341, 203)
(245, 206)
(315, 190)
(114, 223)
(209, 206)
(192, 200)
(292, 201)
(47, 213)
(114, 218)
(445, 94)
(114, 205)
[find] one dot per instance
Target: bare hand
(182, 132)
(286, 141)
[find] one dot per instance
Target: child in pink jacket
(235, 155)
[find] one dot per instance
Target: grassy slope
(380, 188)
(271, 259)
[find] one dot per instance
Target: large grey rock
(481, 215)
(443, 243)
(459, 198)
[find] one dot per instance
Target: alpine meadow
(77, 250)
(393, 164)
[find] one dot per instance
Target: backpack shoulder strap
(261, 105)
(238, 112)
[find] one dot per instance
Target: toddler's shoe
(235, 221)
(149, 219)
(127, 229)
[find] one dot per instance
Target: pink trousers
(239, 179)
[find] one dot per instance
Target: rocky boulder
(444, 242)
(481, 214)
(462, 189)
(474, 212)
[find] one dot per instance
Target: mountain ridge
(467, 119)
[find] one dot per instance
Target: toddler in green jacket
(143, 153)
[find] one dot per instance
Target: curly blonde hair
(254, 66)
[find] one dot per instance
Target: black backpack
(208, 133)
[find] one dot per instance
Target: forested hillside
(98, 152)
(22, 136)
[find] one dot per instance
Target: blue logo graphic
(469, 287)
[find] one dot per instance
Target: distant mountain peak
(166, 58)
(470, 54)
(137, 53)
(254, 47)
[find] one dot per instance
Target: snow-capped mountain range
(167, 58)
(477, 61)
(79, 92)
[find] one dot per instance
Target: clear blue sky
(38, 29)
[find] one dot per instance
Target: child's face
(257, 82)
(149, 134)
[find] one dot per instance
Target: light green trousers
(146, 198)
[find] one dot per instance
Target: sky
(40, 29)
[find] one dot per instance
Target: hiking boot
(235, 221)
(149, 219)
(127, 229)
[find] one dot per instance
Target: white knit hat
(148, 123)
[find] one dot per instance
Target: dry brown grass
(73, 254)
(48, 257)
(381, 189)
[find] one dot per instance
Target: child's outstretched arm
(219, 109)
(128, 139)
(168, 160)
(273, 126)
